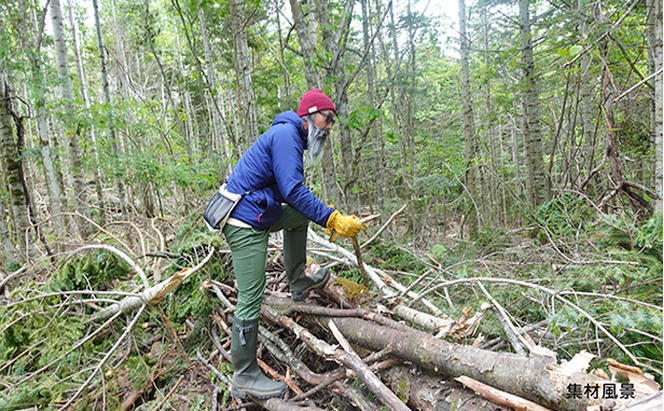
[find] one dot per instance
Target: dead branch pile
(348, 347)
(400, 354)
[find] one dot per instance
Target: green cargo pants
(249, 250)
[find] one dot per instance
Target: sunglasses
(329, 118)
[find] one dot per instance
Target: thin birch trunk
(468, 122)
(535, 181)
(515, 155)
(334, 44)
(655, 46)
(107, 99)
(123, 67)
(71, 132)
(306, 38)
(396, 111)
(38, 96)
(215, 126)
(278, 5)
(586, 94)
(377, 131)
(306, 44)
(245, 91)
(496, 190)
(86, 101)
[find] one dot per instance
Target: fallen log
(536, 378)
(428, 392)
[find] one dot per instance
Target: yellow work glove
(343, 225)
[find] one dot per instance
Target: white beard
(316, 143)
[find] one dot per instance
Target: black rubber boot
(295, 259)
(248, 379)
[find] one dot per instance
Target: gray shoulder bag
(220, 207)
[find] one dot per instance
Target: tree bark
(377, 139)
(107, 98)
(83, 84)
(533, 381)
(38, 96)
(306, 44)
(80, 198)
(586, 79)
(530, 124)
(654, 10)
(217, 140)
(12, 173)
(470, 139)
(334, 44)
(246, 104)
(7, 252)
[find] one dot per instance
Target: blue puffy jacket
(273, 167)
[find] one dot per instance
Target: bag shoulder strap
(223, 187)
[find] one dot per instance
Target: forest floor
(563, 290)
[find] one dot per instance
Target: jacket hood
(289, 117)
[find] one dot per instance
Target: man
(271, 173)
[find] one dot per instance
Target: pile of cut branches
(401, 356)
(362, 344)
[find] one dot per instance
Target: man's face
(324, 119)
(318, 133)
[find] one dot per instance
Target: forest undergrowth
(571, 279)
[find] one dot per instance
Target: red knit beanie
(313, 101)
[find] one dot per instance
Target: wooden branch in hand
(360, 263)
(380, 230)
(370, 271)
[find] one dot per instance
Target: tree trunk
(329, 184)
(246, 101)
(468, 123)
(586, 87)
(107, 99)
(397, 120)
(655, 50)
(214, 131)
(534, 381)
(86, 101)
(123, 67)
(287, 81)
(377, 131)
(535, 181)
(38, 96)
(495, 189)
(80, 200)
(7, 252)
(12, 173)
(335, 47)
(306, 44)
